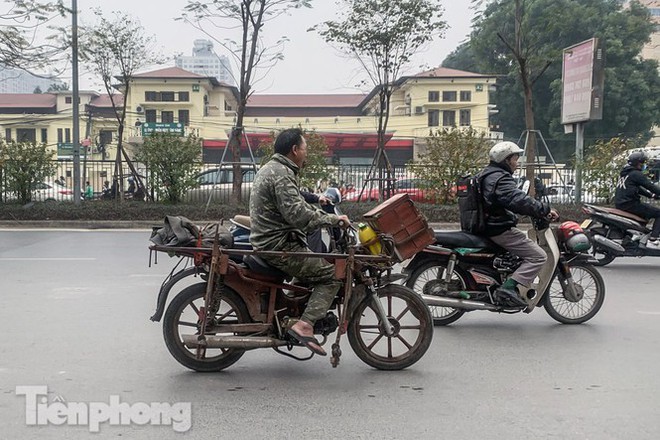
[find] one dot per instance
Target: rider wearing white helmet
(502, 201)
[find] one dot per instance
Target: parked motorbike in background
(616, 233)
(461, 272)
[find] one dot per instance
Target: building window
(167, 117)
(479, 87)
(448, 118)
(151, 96)
(449, 96)
(44, 135)
(67, 135)
(167, 96)
(434, 96)
(434, 118)
(184, 117)
(466, 95)
(465, 118)
(105, 137)
(26, 135)
(60, 136)
(7, 134)
(68, 99)
(184, 96)
(150, 116)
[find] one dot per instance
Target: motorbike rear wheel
(562, 309)
(421, 281)
(182, 317)
(413, 329)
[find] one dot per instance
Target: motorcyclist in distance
(632, 184)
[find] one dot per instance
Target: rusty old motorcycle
(248, 304)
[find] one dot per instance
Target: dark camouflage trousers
(317, 273)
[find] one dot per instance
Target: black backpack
(471, 203)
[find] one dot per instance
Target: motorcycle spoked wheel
(427, 274)
(413, 329)
(182, 318)
(566, 311)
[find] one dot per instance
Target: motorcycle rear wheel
(413, 329)
(182, 317)
(565, 311)
(428, 273)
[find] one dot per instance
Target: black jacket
(503, 200)
(631, 185)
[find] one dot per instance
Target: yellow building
(177, 101)
(183, 102)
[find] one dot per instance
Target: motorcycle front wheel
(567, 311)
(413, 329)
(422, 281)
(183, 317)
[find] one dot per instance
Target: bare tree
(115, 50)
(22, 43)
(254, 57)
(383, 35)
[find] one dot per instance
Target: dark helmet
(636, 158)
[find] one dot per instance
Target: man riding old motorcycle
(502, 201)
(633, 183)
(279, 214)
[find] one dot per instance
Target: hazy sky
(310, 65)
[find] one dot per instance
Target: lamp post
(76, 103)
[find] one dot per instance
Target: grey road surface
(74, 317)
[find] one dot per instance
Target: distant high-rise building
(18, 81)
(204, 61)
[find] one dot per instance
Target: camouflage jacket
(278, 212)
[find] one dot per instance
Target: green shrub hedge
(140, 211)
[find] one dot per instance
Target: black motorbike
(616, 233)
(461, 272)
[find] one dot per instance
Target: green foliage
(383, 35)
(631, 104)
(55, 87)
(173, 162)
(23, 165)
(316, 167)
(603, 162)
(450, 154)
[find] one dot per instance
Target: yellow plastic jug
(369, 238)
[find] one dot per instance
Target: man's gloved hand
(323, 200)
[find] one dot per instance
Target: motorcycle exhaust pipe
(244, 342)
(457, 303)
(612, 246)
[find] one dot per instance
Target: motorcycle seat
(621, 213)
(241, 220)
(460, 239)
(260, 266)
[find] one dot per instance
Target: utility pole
(76, 103)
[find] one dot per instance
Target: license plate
(585, 224)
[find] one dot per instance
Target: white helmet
(502, 150)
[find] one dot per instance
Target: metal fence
(558, 179)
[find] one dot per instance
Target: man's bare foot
(303, 332)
